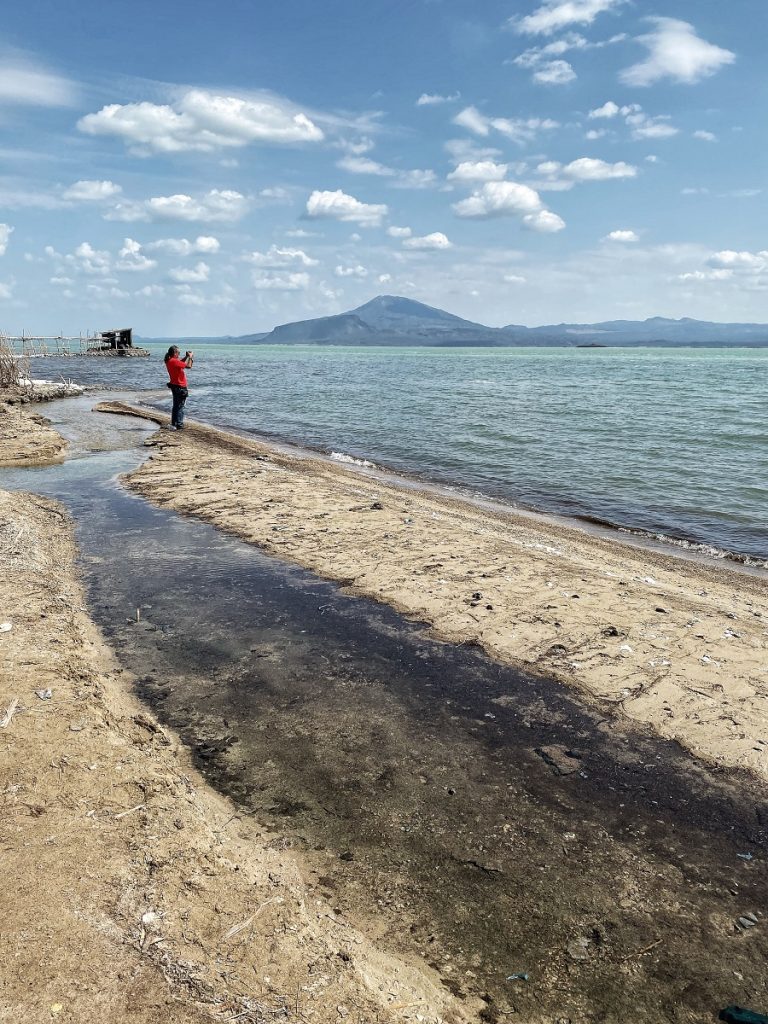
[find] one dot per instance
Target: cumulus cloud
(292, 282)
(184, 247)
(547, 64)
(400, 179)
(645, 127)
(131, 257)
(514, 279)
(23, 82)
(92, 191)
(217, 205)
(396, 232)
(277, 257)
(203, 121)
(675, 51)
(84, 259)
(478, 170)
(745, 269)
(358, 271)
(340, 206)
(510, 198)
(622, 236)
(518, 129)
(433, 99)
(560, 177)
(558, 14)
(705, 136)
(191, 275)
(436, 240)
(732, 260)
(610, 110)
(555, 72)
(5, 235)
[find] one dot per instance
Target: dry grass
(13, 368)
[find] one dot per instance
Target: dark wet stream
(451, 807)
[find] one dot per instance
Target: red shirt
(176, 368)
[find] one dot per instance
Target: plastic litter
(5, 627)
(519, 976)
(44, 694)
(738, 1015)
(745, 856)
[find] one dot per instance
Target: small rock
(578, 949)
(377, 506)
(559, 759)
(747, 922)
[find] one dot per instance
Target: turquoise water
(671, 442)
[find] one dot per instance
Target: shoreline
(679, 546)
(669, 643)
(135, 890)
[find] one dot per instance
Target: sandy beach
(132, 890)
(673, 645)
(302, 829)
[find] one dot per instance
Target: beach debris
(6, 627)
(518, 976)
(377, 506)
(662, 611)
(745, 856)
(11, 710)
(747, 921)
(738, 1015)
(561, 760)
(611, 631)
(44, 694)
(579, 949)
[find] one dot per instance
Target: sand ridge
(674, 645)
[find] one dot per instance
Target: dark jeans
(179, 399)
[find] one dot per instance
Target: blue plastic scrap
(520, 976)
(738, 1015)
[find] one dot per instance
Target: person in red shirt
(177, 372)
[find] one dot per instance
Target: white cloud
(509, 198)
(384, 278)
(202, 121)
(611, 109)
(216, 205)
(705, 136)
(479, 170)
(92, 191)
(364, 165)
(622, 236)
(151, 291)
(432, 99)
(644, 127)
(131, 257)
(556, 72)
(558, 14)
(84, 259)
(184, 247)
(5, 234)
(517, 129)
(514, 279)
(436, 240)
(466, 149)
(676, 52)
(401, 179)
(191, 275)
(396, 232)
(651, 159)
(595, 133)
(340, 206)
(6, 290)
(276, 258)
(25, 83)
(358, 271)
(262, 281)
(588, 169)
(728, 258)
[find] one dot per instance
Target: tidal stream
(452, 807)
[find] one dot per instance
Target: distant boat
(592, 344)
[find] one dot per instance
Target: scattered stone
(561, 760)
(377, 506)
(579, 949)
(747, 921)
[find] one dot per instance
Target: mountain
(395, 320)
(386, 320)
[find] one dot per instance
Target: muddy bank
(454, 809)
(26, 437)
(132, 891)
(669, 643)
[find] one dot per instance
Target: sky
(220, 168)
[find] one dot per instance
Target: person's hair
(172, 351)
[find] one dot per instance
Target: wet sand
(427, 820)
(26, 437)
(674, 645)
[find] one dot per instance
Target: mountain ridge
(396, 320)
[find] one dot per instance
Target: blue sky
(221, 168)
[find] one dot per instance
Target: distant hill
(395, 320)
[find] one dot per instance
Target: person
(177, 367)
